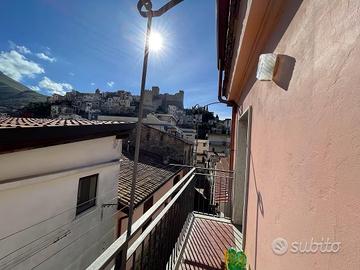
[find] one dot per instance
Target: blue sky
(54, 46)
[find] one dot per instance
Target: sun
(155, 41)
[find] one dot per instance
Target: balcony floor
(207, 239)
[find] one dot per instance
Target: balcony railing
(160, 244)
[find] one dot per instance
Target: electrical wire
(56, 215)
(76, 222)
(162, 167)
(63, 212)
(76, 239)
(45, 246)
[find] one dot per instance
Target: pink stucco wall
(305, 141)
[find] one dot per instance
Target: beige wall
(305, 140)
(202, 146)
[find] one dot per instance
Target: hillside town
(102, 125)
(207, 136)
(162, 112)
(121, 102)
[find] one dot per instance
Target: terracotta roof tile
(151, 176)
(14, 122)
(223, 182)
(28, 133)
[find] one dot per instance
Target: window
(86, 193)
(148, 136)
(204, 144)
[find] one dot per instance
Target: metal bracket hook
(155, 13)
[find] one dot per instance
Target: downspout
(233, 117)
(220, 86)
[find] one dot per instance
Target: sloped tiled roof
(15, 122)
(151, 175)
(223, 181)
(27, 133)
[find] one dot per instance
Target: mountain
(14, 95)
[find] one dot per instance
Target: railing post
(119, 250)
(120, 260)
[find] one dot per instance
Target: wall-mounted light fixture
(266, 66)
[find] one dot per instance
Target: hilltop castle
(119, 102)
(153, 100)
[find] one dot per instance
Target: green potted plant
(235, 260)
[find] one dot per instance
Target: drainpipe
(233, 117)
(220, 86)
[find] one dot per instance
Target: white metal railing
(120, 246)
(159, 244)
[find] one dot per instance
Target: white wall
(189, 134)
(219, 143)
(58, 158)
(52, 198)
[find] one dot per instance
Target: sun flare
(155, 41)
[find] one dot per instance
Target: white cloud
(92, 84)
(34, 88)
(110, 84)
(54, 87)
(20, 49)
(17, 66)
(45, 57)
(71, 73)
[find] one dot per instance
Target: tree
(36, 110)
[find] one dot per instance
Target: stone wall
(169, 147)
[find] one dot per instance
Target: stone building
(120, 102)
(154, 101)
(56, 98)
(178, 113)
(57, 110)
(88, 104)
(189, 134)
(202, 151)
(219, 143)
(169, 147)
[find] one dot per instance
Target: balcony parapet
(162, 243)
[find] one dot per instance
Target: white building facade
(58, 202)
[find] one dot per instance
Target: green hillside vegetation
(14, 95)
